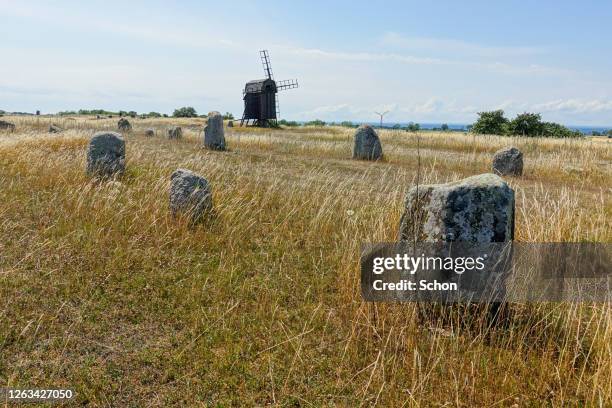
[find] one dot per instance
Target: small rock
(367, 144)
(175, 132)
(508, 162)
(124, 124)
(106, 155)
(230, 124)
(150, 132)
(214, 137)
(55, 129)
(4, 125)
(190, 194)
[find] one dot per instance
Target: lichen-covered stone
(106, 155)
(175, 132)
(55, 129)
(150, 132)
(367, 144)
(4, 125)
(478, 209)
(508, 162)
(190, 194)
(124, 125)
(214, 137)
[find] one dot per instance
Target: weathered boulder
(4, 125)
(230, 124)
(214, 137)
(478, 209)
(150, 132)
(190, 194)
(106, 155)
(124, 124)
(508, 162)
(55, 129)
(175, 132)
(367, 144)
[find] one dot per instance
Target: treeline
(184, 112)
(524, 124)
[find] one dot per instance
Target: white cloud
(447, 46)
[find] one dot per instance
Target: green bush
(290, 123)
(491, 123)
(185, 112)
(316, 122)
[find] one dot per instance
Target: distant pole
(381, 117)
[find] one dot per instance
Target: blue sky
(439, 61)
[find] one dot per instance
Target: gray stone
(150, 132)
(175, 132)
(230, 124)
(214, 137)
(508, 162)
(124, 124)
(471, 214)
(190, 194)
(55, 129)
(106, 155)
(367, 144)
(4, 125)
(478, 209)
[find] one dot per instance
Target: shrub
(444, 127)
(185, 112)
(290, 123)
(526, 124)
(492, 123)
(228, 116)
(550, 129)
(412, 127)
(316, 122)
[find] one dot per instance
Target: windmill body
(260, 100)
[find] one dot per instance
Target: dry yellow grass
(102, 291)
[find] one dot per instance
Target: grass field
(102, 291)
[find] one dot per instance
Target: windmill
(260, 101)
(381, 117)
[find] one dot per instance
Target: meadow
(102, 291)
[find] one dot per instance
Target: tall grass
(104, 292)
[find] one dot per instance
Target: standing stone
(230, 124)
(214, 137)
(150, 132)
(106, 155)
(471, 213)
(55, 129)
(508, 161)
(478, 209)
(4, 125)
(124, 124)
(367, 144)
(190, 194)
(175, 132)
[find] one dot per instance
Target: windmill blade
(286, 84)
(265, 60)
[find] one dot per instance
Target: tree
(444, 127)
(132, 114)
(228, 116)
(550, 129)
(610, 133)
(290, 123)
(526, 124)
(491, 123)
(154, 115)
(185, 112)
(413, 127)
(316, 122)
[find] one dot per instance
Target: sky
(423, 61)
